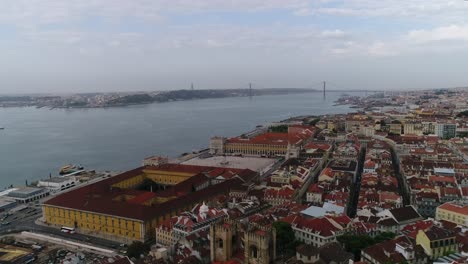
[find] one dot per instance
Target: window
(253, 252)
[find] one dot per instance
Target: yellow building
(413, 127)
(437, 242)
(395, 127)
(266, 144)
(455, 212)
(116, 209)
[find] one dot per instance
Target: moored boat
(70, 168)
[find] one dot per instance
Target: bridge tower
(324, 86)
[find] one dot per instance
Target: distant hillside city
(95, 100)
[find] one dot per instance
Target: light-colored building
(288, 174)
(187, 223)
(455, 212)
(57, 184)
(217, 145)
(319, 231)
(446, 130)
(267, 144)
(437, 241)
(413, 128)
(198, 219)
(314, 194)
(28, 194)
(395, 127)
(155, 161)
(428, 127)
(367, 130)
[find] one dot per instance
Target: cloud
(381, 49)
(30, 12)
(446, 33)
(303, 12)
(114, 43)
(444, 39)
(334, 34)
(448, 11)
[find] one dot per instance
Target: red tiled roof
(140, 199)
(449, 191)
(428, 195)
(295, 135)
(100, 197)
(343, 220)
(321, 226)
(315, 188)
(285, 192)
(444, 179)
(412, 229)
(321, 146)
(369, 164)
(455, 208)
(385, 252)
(272, 138)
(384, 196)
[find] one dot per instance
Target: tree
(383, 237)
(314, 122)
(462, 114)
(279, 129)
(136, 249)
(285, 240)
(355, 243)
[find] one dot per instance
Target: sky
(57, 46)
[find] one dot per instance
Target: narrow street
(402, 188)
(355, 188)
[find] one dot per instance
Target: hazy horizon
(79, 46)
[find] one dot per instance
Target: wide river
(36, 142)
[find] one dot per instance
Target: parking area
(19, 214)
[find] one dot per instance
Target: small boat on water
(2, 128)
(67, 169)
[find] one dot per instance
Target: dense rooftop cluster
(384, 185)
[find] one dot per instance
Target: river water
(36, 142)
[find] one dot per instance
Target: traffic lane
(57, 233)
(25, 221)
(30, 225)
(20, 216)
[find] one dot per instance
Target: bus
(70, 230)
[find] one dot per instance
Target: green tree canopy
(315, 121)
(462, 114)
(355, 243)
(279, 129)
(137, 248)
(285, 240)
